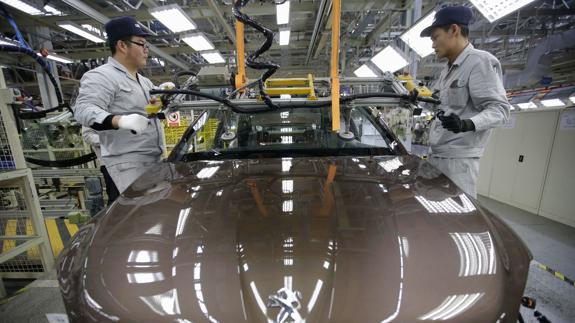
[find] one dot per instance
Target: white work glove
(167, 86)
(135, 122)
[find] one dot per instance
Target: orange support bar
(241, 78)
(335, 29)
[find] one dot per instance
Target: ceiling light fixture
(57, 58)
(282, 13)
(284, 37)
(421, 45)
(552, 103)
(23, 6)
(173, 17)
(72, 27)
(53, 10)
(389, 60)
(527, 105)
(198, 42)
(495, 9)
(364, 71)
(213, 57)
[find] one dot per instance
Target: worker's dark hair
(464, 30)
(112, 43)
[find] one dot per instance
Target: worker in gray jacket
(473, 100)
(111, 100)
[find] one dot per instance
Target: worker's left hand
(455, 124)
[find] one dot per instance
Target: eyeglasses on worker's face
(142, 44)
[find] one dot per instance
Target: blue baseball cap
(459, 15)
(123, 27)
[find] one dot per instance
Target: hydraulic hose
(252, 60)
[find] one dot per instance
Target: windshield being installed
(292, 133)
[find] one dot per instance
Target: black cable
(180, 74)
(40, 114)
(40, 61)
(252, 60)
(224, 101)
(63, 162)
(308, 104)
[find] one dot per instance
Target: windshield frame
(372, 114)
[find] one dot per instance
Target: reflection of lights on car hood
(476, 253)
(182, 219)
(448, 205)
(287, 206)
(143, 257)
(452, 306)
(315, 295)
(391, 165)
(164, 304)
(207, 172)
(143, 278)
(402, 245)
(155, 230)
(287, 186)
(286, 164)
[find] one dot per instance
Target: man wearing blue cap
(473, 100)
(111, 100)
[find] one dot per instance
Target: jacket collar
(120, 67)
(463, 55)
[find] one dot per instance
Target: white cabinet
(537, 131)
(486, 167)
(505, 160)
(514, 167)
(559, 192)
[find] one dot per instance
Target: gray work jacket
(110, 89)
(473, 89)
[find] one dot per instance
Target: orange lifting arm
(335, 122)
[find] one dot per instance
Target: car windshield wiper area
(286, 152)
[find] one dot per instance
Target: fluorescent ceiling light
(72, 27)
(528, 105)
(8, 42)
(572, 99)
(198, 42)
(93, 29)
(213, 57)
(421, 45)
(57, 58)
(23, 6)
(389, 60)
(284, 37)
(159, 61)
(364, 71)
(173, 17)
(552, 103)
(282, 12)
(53, 10)
(495, 9)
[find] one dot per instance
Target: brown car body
(314, 239)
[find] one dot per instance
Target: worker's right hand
(135, 122)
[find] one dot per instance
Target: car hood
(365, 239)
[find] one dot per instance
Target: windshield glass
(294, 133)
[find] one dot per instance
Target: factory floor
(552, 245)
